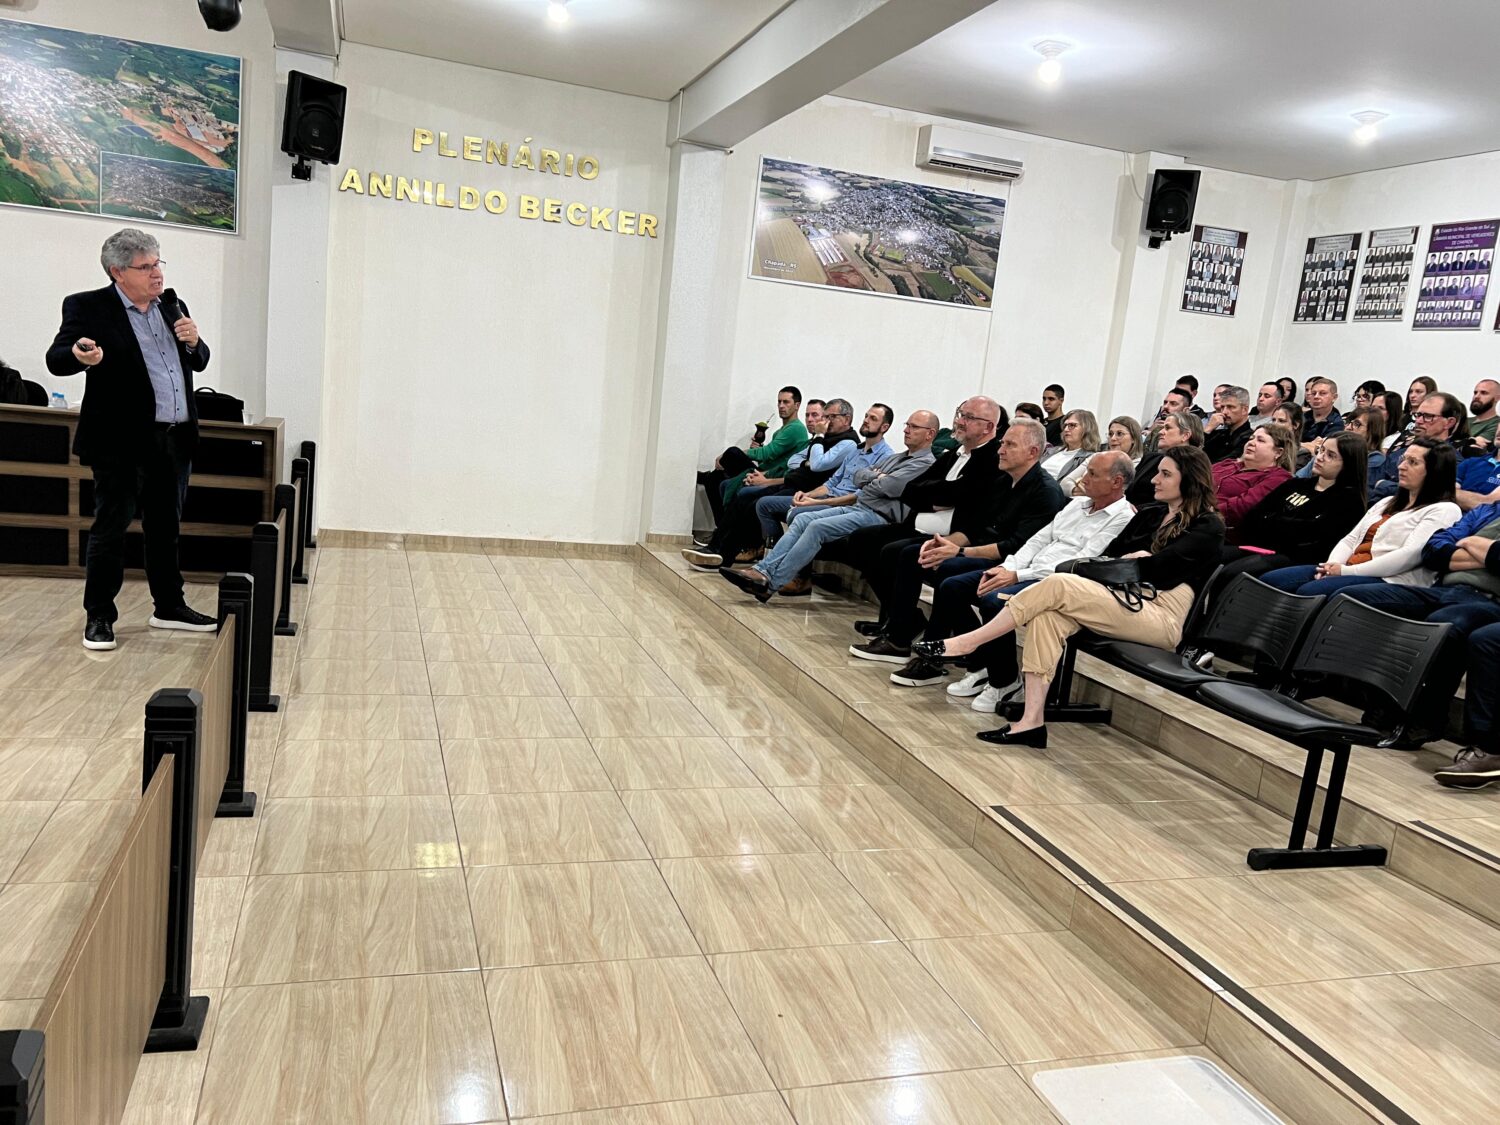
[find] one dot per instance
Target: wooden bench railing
(123, 986)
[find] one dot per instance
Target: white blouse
(1396, 553)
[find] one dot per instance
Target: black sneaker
(98, 635)
(184, 617)
(883, 649)
(920, 673)
(1472, 768)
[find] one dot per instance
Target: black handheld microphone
(170, 309)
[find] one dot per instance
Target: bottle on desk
(58, 400)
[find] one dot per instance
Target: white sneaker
(989, 700)
(972, 684)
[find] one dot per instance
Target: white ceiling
(651, 48)
(1259, 86)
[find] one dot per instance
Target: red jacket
(1240, 489)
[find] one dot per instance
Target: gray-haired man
(137, 428)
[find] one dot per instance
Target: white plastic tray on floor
(1181, 1090)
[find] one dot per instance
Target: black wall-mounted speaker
(313, 128)
(1169, 210)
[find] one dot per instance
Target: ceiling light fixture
(1051, 69)
(557, 11)
(1367, 120)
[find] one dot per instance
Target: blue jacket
(1479, 474)
(1439, 550)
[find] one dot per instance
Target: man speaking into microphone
(137, 428)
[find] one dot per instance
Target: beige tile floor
(533, 846)
(1377, 970)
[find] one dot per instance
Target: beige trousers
(1057, 607)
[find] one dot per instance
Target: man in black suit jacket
(137, 428)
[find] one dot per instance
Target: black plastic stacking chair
(1250, 623)
(1352, 642)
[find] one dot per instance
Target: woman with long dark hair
(1177, 541)
(1386, 544)
(1422, 387)
(1369, 423)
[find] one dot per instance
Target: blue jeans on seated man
(1301, 580)
(772, 511)
(1465, 610)
(805, 537)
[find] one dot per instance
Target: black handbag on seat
(1121, 577)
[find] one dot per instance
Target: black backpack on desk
(215, 406)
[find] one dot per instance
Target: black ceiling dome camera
(220, 15)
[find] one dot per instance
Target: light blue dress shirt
(842, 482)
(159, 350)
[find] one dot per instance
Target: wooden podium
(47, 502)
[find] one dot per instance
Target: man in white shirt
(1082, 529)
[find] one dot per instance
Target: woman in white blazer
(1386, 546)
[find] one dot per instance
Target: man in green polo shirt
(1482, 416)
(724, 479)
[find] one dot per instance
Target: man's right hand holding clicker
(87, 352)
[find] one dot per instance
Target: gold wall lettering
(382, 185)
(483, 150)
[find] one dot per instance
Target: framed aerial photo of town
(819, 226)
(96, 125)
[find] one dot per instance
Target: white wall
(914, 354)
(489, 375)
(1442, 191)
(223, 278)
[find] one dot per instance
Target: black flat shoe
(935, 651)
(1036, 737)
(869, 628)
(760, 590)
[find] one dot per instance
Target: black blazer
(119, 408)
(1191, 557)
(970, 496)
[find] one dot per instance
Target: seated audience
(1482, 416)
(1367, 392)
(876, 502)
(738, 530)
(953, 494)
(1467, 581)
(1422, 388)
(1264, 465)
(838, 490)
(1228, 427)
(1178, 430)
(1440, 417)
(1030, 410)
(1125, 437)
(1386, 545)
(1266, 401)
(1478, 763)
(1369, 423)
(945, 439)
(1080, 441)
(730, 467)
(1081, 530)
(1175, 401)
(1188, 385)
(1177, 542)
(1322, 417)
(1021, 502)
(1052, 405)
(1392, 407)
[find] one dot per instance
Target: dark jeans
(904, 619)
(1482, 692)
(868, 549)
(738, 527)
(1466, 611)
(154, 490)
(1300, 580)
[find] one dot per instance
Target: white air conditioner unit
(970, 154)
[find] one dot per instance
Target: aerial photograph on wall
(99, 125)
(820, 226)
